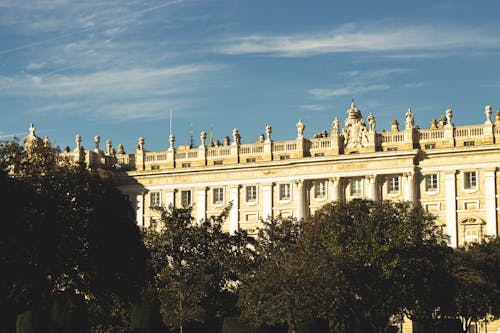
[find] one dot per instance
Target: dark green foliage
(145, 314)
(349, 265)
(69, 314)
(476, 271)
(67, 229)
(196, 267)
(32, 321)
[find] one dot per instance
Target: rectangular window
(218, 162)
(218, 194)
(155, 199)
(320, 189)
(155, 167)
(392, 149)
(471, 234)
(186, 165)
(319, 154)
(284, 157)
(186, 198)
(285, 191)
(356, 186)
(430, 146)
(251, 160)
(468, 143)
(470, 180)
(393, 185)
(251, 193)
(431, 182)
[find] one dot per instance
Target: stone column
(410, 187)
(267, 200)
(301, 211)
(170, 198)
(140, 209)
(490, 198)
(234, 195)
(372, 187)
(335, 189)
(201, 203)
(451, 207)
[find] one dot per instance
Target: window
(251, 193)
(155, 199)
(251, 160)
(320, 189)
(430, 146)
(284, 157)
(218, 194)
(431, 182)
(319, 154)
(470, 180)
(468, 143)
(218, 162)
(186, 165)
(392, 149)
(185, 198)
(356, 187)
(285, 191)
(155, 167)
(471, 234)
(393, 184)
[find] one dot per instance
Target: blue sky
(116, 68)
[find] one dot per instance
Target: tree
(349, 265)
(74, 232)
(270, 295)
(196, 266)
(475, 270)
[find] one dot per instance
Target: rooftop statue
(355, 131)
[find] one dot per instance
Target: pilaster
(201, 203)
(410, 187)
(267, 200)
(301, 211)
(234, 195)
(372, 187)
(335, 188)
(451, 207)
(490, 200)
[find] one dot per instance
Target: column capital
(334, 179)
(371, 178)
(299, 182)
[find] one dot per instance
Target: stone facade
(452, 171)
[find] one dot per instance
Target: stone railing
(469, 131)
(428, 135)
(252, 149)
(320, 144)
(214, 152)
(445, 137)
(393, 137)
(284, 147)
(152, 157)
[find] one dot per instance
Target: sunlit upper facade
(452, 171)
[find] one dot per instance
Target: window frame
(470, 180)
(431, 179)
(282, 194)
(393, 185)
(155, 198)
(218, 196)
(320, 189)
(254, 194)
(358, 188)
(190, 192)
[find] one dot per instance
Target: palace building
(452, 171)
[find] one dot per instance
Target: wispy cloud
(312, 107)
(324, 93)
(141, 93)
(354, 38)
